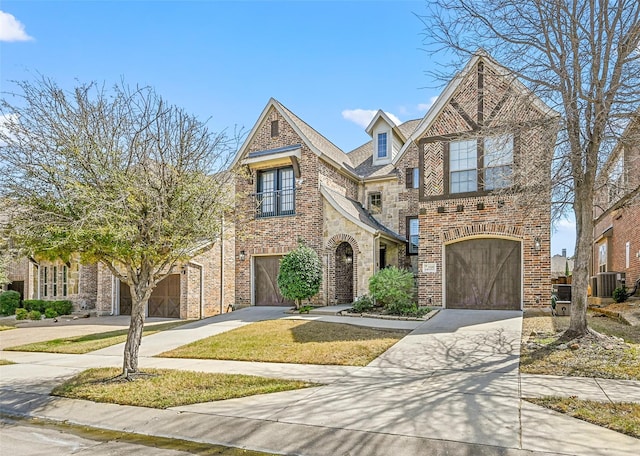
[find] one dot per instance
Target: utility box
(563, 308)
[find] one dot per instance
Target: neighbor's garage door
(266, 282)
(483, 274)
(164, 301)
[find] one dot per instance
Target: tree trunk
(141, 288)
(134, 337)
(582, 259)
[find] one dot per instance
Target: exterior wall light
(242, 255)
(537, 246)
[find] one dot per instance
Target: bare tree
(116, 175)
(583, 59)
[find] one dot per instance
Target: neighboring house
(202, 287)
(436, 195)
(560, 263)
(193, 291)
(616, 237)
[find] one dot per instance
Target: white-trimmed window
(498, 161)
(616, 179)
(382, 145)
(602, 258)
(413, 235)
(627, 254)
(45, 281)
(65, 280)
(375, 202)
(463, 166)
(55, 281)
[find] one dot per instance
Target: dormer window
(382, 145)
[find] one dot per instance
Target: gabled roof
(379, 115)
(354, 212)
(362, 157)
(320, 145)
(453, 85)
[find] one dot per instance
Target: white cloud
(11, 29)
(565, 224)
(363, 117)
(425, 106)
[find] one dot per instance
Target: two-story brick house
(448, 195)
(616, 234)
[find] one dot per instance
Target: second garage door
(483, 274)
(164, 300)
(266, 289)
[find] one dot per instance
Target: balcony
(275, 203)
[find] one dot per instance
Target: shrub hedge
(9, 302)
(59, 307)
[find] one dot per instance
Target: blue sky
(330, 62)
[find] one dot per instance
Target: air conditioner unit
(607, 282)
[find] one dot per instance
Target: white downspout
(221, 265)
(201, 267)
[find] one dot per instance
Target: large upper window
(382, 145)
(498, 160)
(413, 234)
(463, 166)
(602, 258)
(496, 164)
(276, 192)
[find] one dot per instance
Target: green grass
(6, 328)
(5, 362)
(91, 342)
(294, 341)
(619, 416)
(163, 388)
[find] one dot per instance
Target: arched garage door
(164, 300)
(483, 274)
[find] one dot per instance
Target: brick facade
(617, 217)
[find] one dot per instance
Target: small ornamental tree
(300, 274)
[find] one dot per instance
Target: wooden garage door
(266, 282)
(164, 301)
(483, 274)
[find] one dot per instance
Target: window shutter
(409, 178)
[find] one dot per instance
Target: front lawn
(543, 353)
(294, 341)
(91, 342)
(619, 416)
(163, 388)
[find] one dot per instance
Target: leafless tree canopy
(583, 59)
(117, 175)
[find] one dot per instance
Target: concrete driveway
(456, 375)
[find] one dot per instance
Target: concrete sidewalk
(450, 387)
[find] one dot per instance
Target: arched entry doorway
(344, 273)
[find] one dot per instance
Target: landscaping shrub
(35, 304)
(620, 294)
(300, 274)
(50, 313)
(392, 287)
(34, 315)
(407, 309)
(363, 304)
(62, 307)
(9, 302)
(22, 314)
